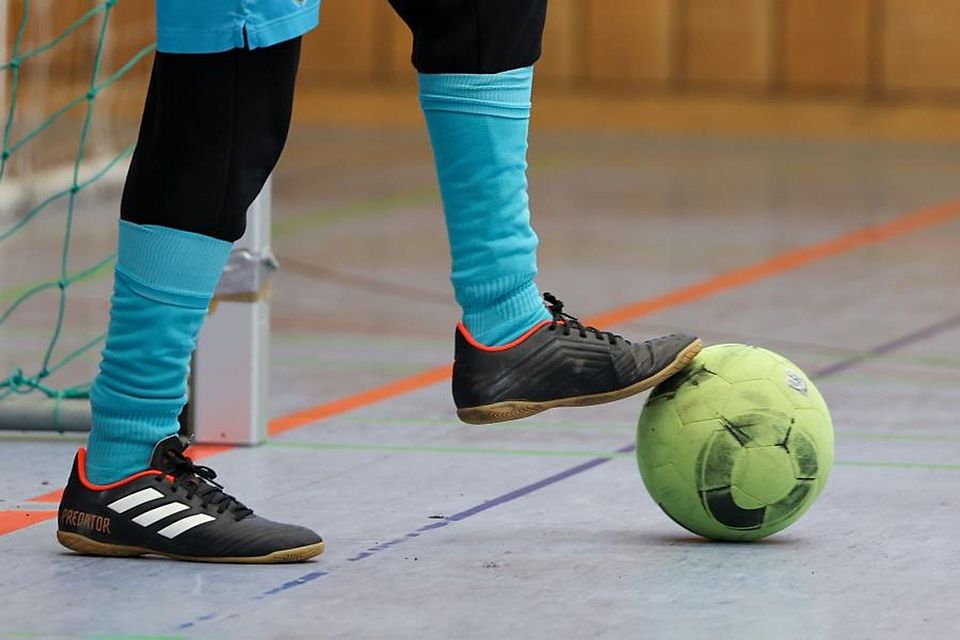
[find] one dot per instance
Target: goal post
(229, 392)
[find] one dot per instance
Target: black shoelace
(198, 480)
(570, 323)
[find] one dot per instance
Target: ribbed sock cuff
(504, 95)
(496, 320)
(121, 445)
(165, 279)
(169, 261)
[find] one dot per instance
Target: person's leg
(514, 355)
(475, 62)
(213, 128)
(198, 165)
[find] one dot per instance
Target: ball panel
(667, 486)
(699, 395)
(739, 363)
(762, 476)
(758, 413)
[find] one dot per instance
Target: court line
(561, 425)
(734, 279)
(370, 396)
(565, 453)
(886, 347)
(15, 519)
(824, 372)
(880, 350)
(387, 448)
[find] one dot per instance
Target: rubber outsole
(86, 546)
(517, 409)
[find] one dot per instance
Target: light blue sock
(478, 127)
(163, 285)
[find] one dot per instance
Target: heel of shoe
(500, 412)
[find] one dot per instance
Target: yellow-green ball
(737, 446)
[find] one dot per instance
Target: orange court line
(14, 520)
(784, 262)
(52, 496)
(362, 399)
(902, 225)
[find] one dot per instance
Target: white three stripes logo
(156, 514)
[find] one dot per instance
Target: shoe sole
(88, 547)
(516, 409)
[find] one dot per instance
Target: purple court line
(490, 504)
(917, 336)
(829, 370)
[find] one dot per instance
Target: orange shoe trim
(82, 472)
(462, 328)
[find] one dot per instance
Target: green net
(63, 76)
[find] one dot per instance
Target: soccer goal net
(73, 76)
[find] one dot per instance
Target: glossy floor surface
(841, 256)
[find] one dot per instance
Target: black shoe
(559, 363)
(173, 509)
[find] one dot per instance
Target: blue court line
(824, 372)
(917, 336)
(490, 504)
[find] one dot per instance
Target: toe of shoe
(302, 536)
(659, 353)
(260, 536)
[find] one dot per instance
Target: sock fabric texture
(478, 126)
(163, 285)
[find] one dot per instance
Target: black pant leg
(213, 128)
(473, 36)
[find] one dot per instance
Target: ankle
(505, 318)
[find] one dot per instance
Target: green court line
(135, 637)
(283, 227)
(899, 465)
(440, 422)
(385, 203)
(557, 453)
(916, 437)
(364, 207)
(821, 353)
(387, 448)
(617, 427)
(33, 634)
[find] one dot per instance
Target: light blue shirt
(211, 26)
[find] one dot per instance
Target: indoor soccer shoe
(559, 363)
(173, 509)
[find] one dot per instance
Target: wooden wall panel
(825, 53)
(702, 44)
(397, 45)
(921, 49)
(43, 24)
(728, 43)
(627, 41)
(563, 41)
(132, 27)
(343, 48)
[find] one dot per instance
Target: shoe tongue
(160, 460)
